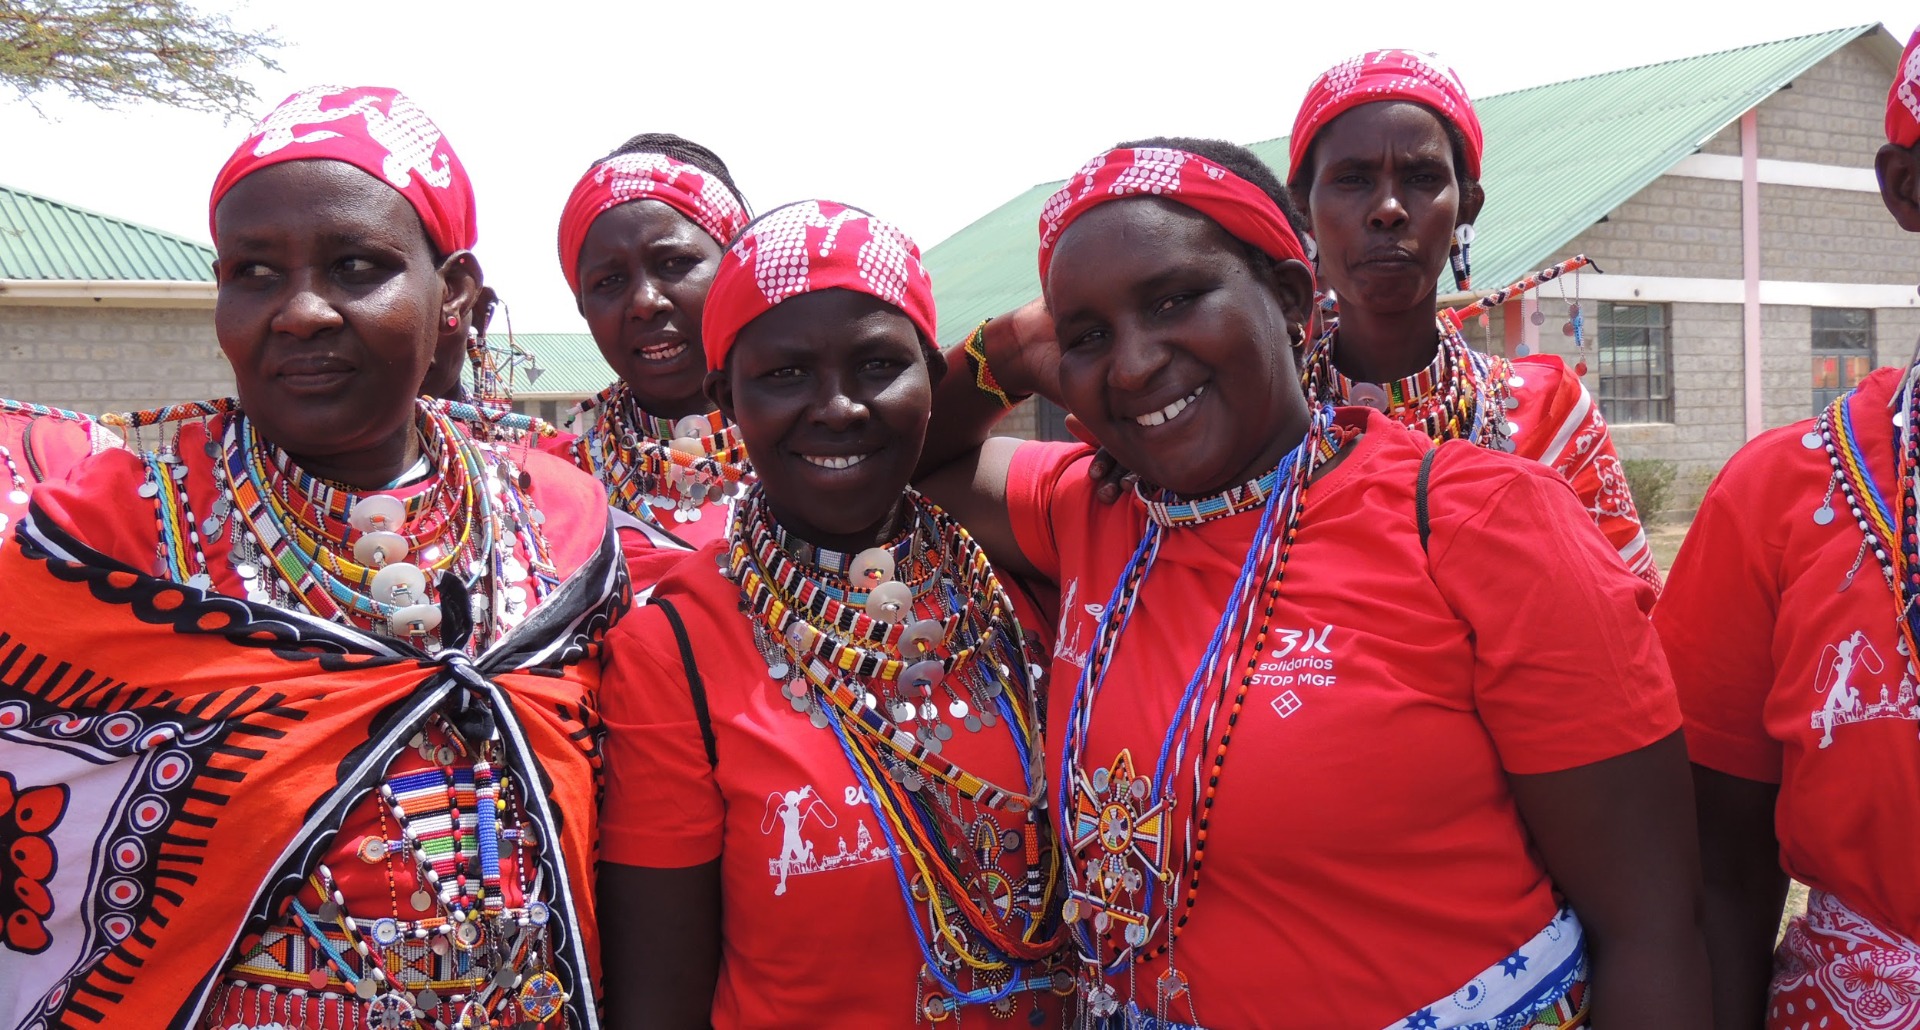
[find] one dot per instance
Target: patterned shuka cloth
(1836, 970)
(175, 764)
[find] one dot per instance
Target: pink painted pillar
(1750, 265)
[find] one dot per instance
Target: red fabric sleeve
(1567, 669)
(1033, 477)
(99, 502)
(1716, 620)
(1574, 439)
(54, 446)
(663, 807)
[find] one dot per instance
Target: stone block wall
(100, 358)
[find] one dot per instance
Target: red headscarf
(376, 130)
(809, 246)
(1903, 99)
(702, 198)
(1241, 208)
(1385, 75)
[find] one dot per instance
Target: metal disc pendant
(149, 489)
(366, 988)
(1823, 515)
(779, 669)
(818, 717)
(1538, 317)
(972, 724)
(801, 703)
(1811, 441)
(1367, 395)
(422, 901)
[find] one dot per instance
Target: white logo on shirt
(792, 811)
(1302, 658)
(1841, 666)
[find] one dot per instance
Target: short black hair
(683, 150)
(1242, 162)
(1301, 185)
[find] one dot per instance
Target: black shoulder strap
(694, 684)
(1420, 495)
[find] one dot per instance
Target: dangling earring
(1458, 254)
(1312, 249)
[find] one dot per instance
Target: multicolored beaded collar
(881, 667)
(652, 464)
(1890, 534)
(1163, 511)
(1462, 395)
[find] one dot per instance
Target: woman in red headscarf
(1790, 622)
(823, 755)
(300, 728)
(1315, 741)
(640, 239)
(1385, 163)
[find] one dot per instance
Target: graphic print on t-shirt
(1847, 670)
(791, 812)
(1072, 647)
(1298, 658)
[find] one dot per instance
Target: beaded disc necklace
(1463, 395)
(652, 465)
(1125, 889)
(1890, 534)
(301, 543)
(881, 648)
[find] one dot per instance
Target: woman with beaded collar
(823, 754)
(1790, 623)
(640, 239)
(1384, 161)
(305, 733)
(1447, 804)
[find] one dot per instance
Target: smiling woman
(1302, 665)
(322, 662)
(823, 737)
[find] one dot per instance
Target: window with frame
(1634, 359)
(1842, 352)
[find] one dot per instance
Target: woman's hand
(1022, 353)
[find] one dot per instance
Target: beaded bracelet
(976, 351)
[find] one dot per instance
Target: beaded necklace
(301, 543)
(649, 462)
(1463, 395)
(867, 665)
(1890, 535)
(1122, 889)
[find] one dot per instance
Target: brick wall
(98, 358)
(1833, 115)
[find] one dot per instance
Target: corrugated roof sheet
(569, 363)
(1558, 158)
(44, 239)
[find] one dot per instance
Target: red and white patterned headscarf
(1242, 209)
(624, 178)
(1903, 99)
(1380, 76)
(806, 247)
(376, 130)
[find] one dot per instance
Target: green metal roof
(569, 363)
(44, 239)
(1558, 158)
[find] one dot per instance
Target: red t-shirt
(1787, 678)
(815, 932)
(1365, 856)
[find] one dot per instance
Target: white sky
(927, 114)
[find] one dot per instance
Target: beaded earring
(1458, 255)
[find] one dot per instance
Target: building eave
(109, 293)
